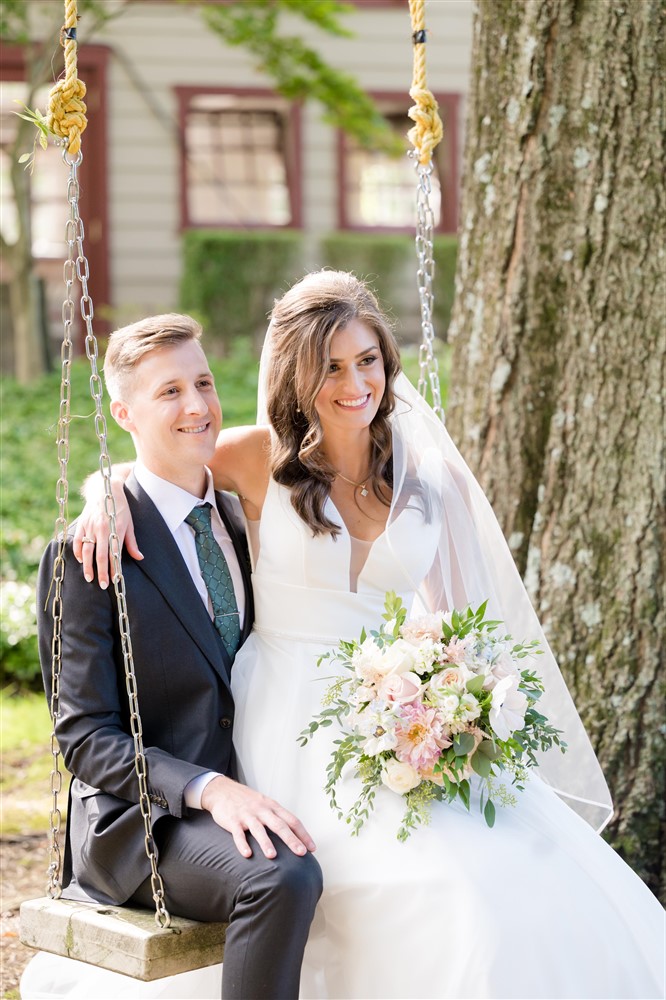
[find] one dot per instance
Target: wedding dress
(538, 906)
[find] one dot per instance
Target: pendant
(364, 492)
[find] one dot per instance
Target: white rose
(399, 658)
(400, 777)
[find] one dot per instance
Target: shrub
(230, 279)
(388, 262)
(380, 259)
(18, 633)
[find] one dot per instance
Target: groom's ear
(121, 414)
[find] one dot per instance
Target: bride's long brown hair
(304, 322)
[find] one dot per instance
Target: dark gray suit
(183, 682)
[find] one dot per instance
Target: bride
(352, 487)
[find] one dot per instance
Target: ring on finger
(87, 540)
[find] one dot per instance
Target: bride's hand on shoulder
(91, 537)
(242, 464)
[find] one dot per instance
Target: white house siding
(167, 45)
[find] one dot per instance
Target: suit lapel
(164, 566)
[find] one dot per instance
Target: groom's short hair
(127, 346)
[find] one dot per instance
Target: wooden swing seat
(120, 938)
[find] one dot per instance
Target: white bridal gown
(538, 906)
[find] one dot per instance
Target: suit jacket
(183, 683)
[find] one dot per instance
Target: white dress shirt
(174, 504)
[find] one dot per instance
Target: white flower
(453, 678)
(426, 653)
(367, 661)
(400, 777)
(400, 657)
(447, 705)
(469, 708)
(377, 723)
(502, 666)
(364, 694)
(507, 712)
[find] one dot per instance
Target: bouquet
(424, 704)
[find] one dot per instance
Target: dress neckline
(344, 527)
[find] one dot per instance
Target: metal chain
(54, 873)
(425, 225)
(79, 263)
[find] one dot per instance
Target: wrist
(214, 787)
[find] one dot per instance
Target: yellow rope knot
(66, 115)
(428, 130)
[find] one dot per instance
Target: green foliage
(230, 279)
(388, 262)
(381, 259)
(298, 71)
(445, 251)
(29, 470)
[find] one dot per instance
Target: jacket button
(225, 722)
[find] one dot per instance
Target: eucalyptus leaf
(481, 764)
(463, 743)
(489, 750)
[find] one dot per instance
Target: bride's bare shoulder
(242, 461)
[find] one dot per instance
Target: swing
(121, 938)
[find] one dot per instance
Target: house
(185, 133)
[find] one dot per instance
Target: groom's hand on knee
(241, 810)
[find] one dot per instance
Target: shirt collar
(173, 503)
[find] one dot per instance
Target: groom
(226, 852)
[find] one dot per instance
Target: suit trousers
(269, 903)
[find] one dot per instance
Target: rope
(66, 114)
(427, 132)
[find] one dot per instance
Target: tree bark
(557, 395)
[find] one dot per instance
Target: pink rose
(400, 689)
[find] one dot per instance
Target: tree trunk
(25, 305)
(557, 394)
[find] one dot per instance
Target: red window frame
(93, 173)
(449, 104)
(184, 96)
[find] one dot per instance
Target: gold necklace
(362, 486)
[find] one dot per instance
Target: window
(49, 210)
(240, 159)
(378, 192)
(46, 182)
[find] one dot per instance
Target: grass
(25, 729)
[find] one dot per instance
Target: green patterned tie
(215, 571)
